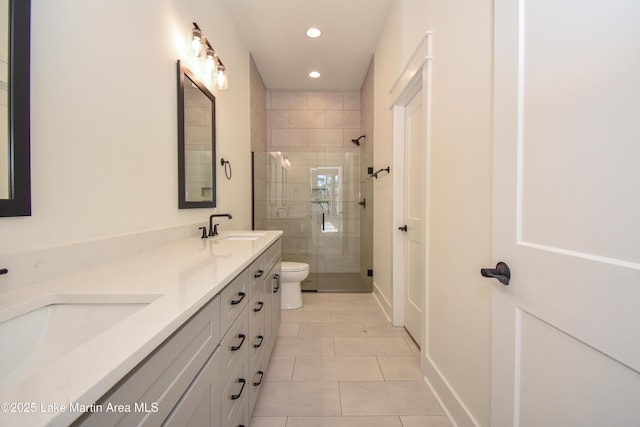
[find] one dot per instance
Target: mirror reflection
(196, 142)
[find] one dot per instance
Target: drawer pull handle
(257, 383)
(238, 301)
(237, 347)
(260, 304)
(237, 396)
(276, 277)
(259, 274)
(261, 338)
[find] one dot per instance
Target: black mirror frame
(182, 202)
(19, 203)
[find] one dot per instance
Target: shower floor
(335, 282)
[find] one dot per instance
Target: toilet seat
(293, 266)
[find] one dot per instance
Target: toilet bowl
(291, 274)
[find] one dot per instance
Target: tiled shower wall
(306, 131)
(312, 121)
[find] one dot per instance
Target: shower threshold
(335, 282)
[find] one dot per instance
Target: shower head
(357, 141)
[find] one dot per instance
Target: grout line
(384, 378)
(340, 398)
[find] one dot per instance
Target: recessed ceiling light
(314, 74)
(313, 32)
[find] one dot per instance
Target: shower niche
(315, 198)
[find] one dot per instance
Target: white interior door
(414, 169)
(566, 330)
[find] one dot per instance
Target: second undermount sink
(243, 236)
(50, 331)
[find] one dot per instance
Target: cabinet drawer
(200, 405)
(234, 346)
(257, 273)
(256, 337)
(163, 376)
(259, 269)
(256, 379)
(234, 298)
(234, 401)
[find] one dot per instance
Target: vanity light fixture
(201, 51)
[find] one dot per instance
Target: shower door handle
(322, 221)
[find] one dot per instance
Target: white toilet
(291, 274)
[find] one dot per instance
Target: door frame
(415, 76)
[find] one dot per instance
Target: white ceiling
(275, 33)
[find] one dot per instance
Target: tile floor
(338, 362)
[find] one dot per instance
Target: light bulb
(197, 41)
(210, 61)
(221, 78)
(314, 74)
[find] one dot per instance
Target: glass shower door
(314, 198)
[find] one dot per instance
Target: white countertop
(179, 278)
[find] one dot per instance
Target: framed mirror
(15, 168)
(196, 142)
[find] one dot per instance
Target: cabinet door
(200, 405)
(275, 306)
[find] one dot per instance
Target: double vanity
(178, 335)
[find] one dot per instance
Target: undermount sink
(52, 330)
(244, 236)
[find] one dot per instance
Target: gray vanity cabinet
(149, 393)
(200, 404)
(209, 372)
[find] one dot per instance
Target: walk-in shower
(316, 198)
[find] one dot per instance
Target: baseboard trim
(448, 399)
(383, 302)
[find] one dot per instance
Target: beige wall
(458, 323)
(104, 124)
(258, 110)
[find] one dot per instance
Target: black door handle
(403, 228)
(501, 272)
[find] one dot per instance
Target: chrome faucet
(213, 228)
